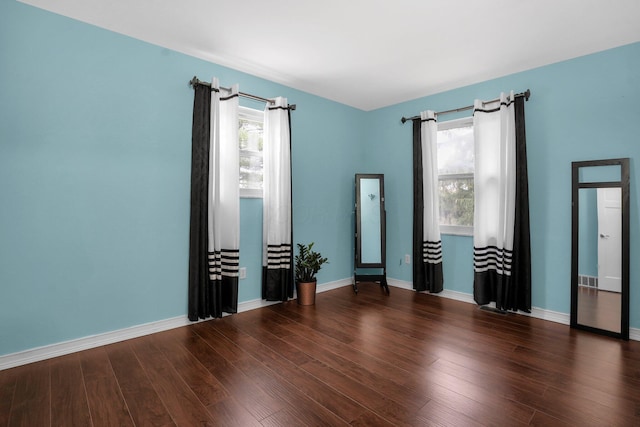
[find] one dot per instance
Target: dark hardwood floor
(362, 360)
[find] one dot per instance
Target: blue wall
(581, 109)
(95, 135)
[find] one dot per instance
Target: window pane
(455, 150)
(250, 170)
(455, 174)
(456, 201)
(251, 162)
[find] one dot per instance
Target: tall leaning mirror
(600, 247)
(370, 234)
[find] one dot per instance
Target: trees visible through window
(250, 139)
(455, 176)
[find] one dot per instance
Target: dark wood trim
(383, 240)
(576, 185)
(626, 230)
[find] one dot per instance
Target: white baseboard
(538, 313)
(324, 287)
(67, 347)
(92, 341)
(400, 284)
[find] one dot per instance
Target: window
(250, 142)
(455, 176)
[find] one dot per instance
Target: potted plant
(308, 263)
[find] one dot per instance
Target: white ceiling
(369, 54)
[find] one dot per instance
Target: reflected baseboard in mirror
(600, 247)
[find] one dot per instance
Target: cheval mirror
(600, 247)
(370, 234)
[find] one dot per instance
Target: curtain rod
(526, 95)
(195, 81)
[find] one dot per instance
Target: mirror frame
(382, 263)
(357, 253)
(623, 184)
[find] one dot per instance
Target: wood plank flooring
(362, 360)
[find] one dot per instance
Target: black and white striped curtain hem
(432, 252)
(225, 262)
(492, 258)
(279, 256)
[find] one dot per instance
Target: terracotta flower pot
(306, 293)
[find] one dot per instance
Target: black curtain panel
(518, 296)
(277, 283)
(419, 283)
(427, 276)
(200, 291)
(226, 291)
(212, 289)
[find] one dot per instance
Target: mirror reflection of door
(609, 239)
(370, 221)
(600, 261)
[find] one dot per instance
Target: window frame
(252, 114)
(456, 230)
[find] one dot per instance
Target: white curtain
(427, 246)
(277, 246)
(224, 194)
(432, 245)
(495, 191)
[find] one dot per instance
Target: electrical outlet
(407, 259)
(243, 272)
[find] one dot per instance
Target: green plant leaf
(308, 263)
